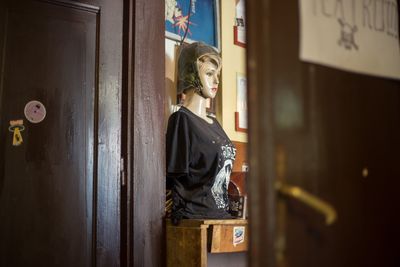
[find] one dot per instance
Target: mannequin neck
(196, 104)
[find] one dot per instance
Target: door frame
(143, 240)
(143, 198)
(262, 200)
(143, 138)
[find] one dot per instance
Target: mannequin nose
(216, 80)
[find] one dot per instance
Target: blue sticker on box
(238, 235)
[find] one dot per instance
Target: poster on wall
(354, 35)
(200, 20)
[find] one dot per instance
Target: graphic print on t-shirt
(219, 189)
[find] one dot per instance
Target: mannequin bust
(199, 154)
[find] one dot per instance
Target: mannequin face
(209, 77)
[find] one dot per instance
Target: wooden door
(60, 188)
(333, 133)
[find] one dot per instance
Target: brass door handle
(308, 199)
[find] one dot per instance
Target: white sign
(241, 100)
(355, 35)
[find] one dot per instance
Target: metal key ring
(12, 128)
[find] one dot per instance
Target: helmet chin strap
(198, 87)
(199, 91)
(198, 84)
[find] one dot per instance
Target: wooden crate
(189, 242)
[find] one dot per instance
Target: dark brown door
(59, 189)
(332, 133)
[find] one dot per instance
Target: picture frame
(203, 24)
(239, 29)
(241, 103)
(239, 35)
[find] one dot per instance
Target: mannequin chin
(197, 103)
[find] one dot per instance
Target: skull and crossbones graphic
(347, 35)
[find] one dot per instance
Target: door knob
(308, 199)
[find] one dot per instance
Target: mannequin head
(198, 69)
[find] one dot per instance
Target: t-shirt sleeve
(177, 145)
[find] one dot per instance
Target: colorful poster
(355, 35)
(201, 24)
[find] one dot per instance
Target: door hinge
(122, 168)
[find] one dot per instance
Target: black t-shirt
(200, 158)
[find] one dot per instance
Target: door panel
(355, 135)
(333, 133)
(359, 120)
(47, 182)
(49, 185)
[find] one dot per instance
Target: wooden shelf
(194, 222)
(189, 242)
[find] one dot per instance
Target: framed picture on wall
(241, 103)
(201, 20)
(239, 30)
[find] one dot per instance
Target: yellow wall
(233, 60)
